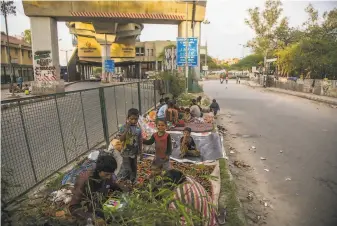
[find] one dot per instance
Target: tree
(27, 36)
(210, 62)
(265, 25)
(8, 8)
(248, 62)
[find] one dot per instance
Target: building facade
(21, 57)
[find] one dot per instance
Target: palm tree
(8, 8)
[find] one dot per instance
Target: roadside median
(228, 198)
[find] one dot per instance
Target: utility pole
(243, 50)
(186, 54)
(67, 63)
(206, 22)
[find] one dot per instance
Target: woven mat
(197, 128)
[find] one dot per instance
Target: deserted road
(305, 131)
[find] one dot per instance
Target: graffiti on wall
(170, 62)
(44, 70)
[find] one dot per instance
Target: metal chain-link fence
(40, 135)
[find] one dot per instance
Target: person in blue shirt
(161, 103)
(20, 81)
(162, 111)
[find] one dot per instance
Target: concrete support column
(85, 71)
(189, 32)
(105, 56)
(140, 70)
(45, 51)
(82, 72)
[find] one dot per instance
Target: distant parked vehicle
(94, 78)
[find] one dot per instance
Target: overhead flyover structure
(91, 48)
(105, 16)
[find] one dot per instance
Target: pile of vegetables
(201, 173)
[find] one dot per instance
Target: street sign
(109, 66)
(205, 68)
(192, 52)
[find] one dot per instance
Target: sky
(225, 34)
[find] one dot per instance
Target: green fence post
(139, 99)
(27, 142)
(154, 96)
(116, 107)
(85, 125)
(104, 116)
(60, 125)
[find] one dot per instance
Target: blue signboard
(192, 52)
(109, 66)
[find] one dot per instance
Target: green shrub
(177, 82)
(185, 99)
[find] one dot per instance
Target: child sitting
(187, 115)
(214, 107)
(199, 100)
(161, 103)
(163, 147)
(171, 114)
(187, 145)
(181, 113)
(115, 148)
(26, 89)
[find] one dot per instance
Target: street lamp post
(206, 22)
(243, 50)
(67, 63)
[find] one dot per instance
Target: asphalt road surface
(56, 130)
(306, 131)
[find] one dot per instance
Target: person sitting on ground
(17, 89)
(90, 186)
(162, 110)
(192, 195)
(26, 89)
(199, 100)
(161, 103)
(163, 147)
(181, 113)
(195, 109)
(187, 145)
(187, 115)
(171, 114)
(214, 107)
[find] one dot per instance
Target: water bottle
(89, 222)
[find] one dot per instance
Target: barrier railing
(40, 135)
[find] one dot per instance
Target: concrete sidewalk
(310, 96)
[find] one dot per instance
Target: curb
(306, 97)
(71, 83)
(298, 95)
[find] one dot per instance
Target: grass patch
(228, 197)
(185, 99)
(55, 183)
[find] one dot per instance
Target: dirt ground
(261, 207)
